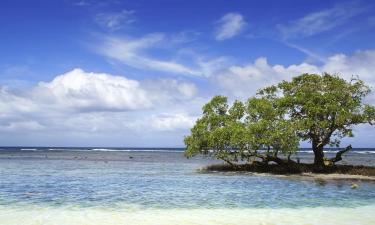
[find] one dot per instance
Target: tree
(321, 109)
(324, 109)
(218, 131)
(243, 132)
(270, 130)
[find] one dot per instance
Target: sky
(137, 73)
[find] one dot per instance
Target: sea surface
(160, 186)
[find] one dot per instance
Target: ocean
(44, 185)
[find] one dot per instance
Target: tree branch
(226, 160)
(339, 154)
(327, 137)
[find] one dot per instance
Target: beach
(320, 215)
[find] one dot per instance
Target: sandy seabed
(77, 216)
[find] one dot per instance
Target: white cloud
(10, 102)
(92, 91)
(244, 81)
(168, 90)
(115, 20)
(361, 63)
(210, 66)
(230, 25)
(170, 122)
(187, 89)
(82, 91)
(184, 37)
(99, 106)
(131, 52)
(310, 54)
(103, 108)
(15, 126)
(320, 21)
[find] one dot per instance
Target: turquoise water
(159, 183)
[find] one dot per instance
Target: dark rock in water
(130, 157)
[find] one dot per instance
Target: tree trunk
(318, 156)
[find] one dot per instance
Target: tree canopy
(320, 109)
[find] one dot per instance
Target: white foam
(111, 150)
(29, 149)
(76, 216)
(365, 152)
(133, 150)
(335, 151)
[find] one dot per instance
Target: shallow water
(138, 187)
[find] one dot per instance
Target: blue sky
(136, 73)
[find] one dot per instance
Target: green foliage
(325, 107)
(268, 126)
(321, 109)
(238, 132)
(218, 131)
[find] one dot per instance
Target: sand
(93, 216)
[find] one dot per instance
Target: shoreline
(302, 171)
(306, 176)
(327, 177)
(338, 176)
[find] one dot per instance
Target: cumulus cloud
(115, 20)
(361, 63)
(170, 90)
(15, 126)
(10, 102)
(230, 25)
(243, 81)
(86, 104)
(170, 122)
(92, 91)
(320, 21)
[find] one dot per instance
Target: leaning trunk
(339, 154)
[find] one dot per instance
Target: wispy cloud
(230, 25)
(185, 36)
(133, 52)
(81, 3)
(320, 21)
(115, 20)
(312, 55)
